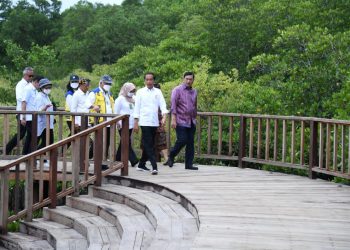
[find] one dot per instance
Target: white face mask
(107, 88)
(47, 91)
(130, 94)
(74, 85)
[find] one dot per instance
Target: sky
(68, 3)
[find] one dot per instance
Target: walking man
(27, 78)
(28, 104)
(148, 100)
(183, 119)
(102, 97)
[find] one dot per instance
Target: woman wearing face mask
(125, 104)
(72, 86)
(43, 103)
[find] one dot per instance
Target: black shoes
(169, 162)
(191, 168)
(142, 168)
(104, 167)
(134, 163)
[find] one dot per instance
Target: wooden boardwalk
(252, 209)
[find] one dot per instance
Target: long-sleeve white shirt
(41, 100)
(81, 104)
(29, 93)
(123, 107)
(20, 92)
(147, 103)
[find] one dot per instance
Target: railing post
(242, 140)
(313, 148)
(33, 143)
(83, 126)
(98, 156)
(29, 189)
(125, 146)
(76, 166)
(53, 178)
(4, 200)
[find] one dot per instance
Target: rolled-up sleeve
(137, 104)
(173, 101)
(162, 104)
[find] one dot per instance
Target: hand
(163, 121)
(48, 106)
(173, 122)
(136, 127)
(118, 126)
(23, 122)
(96, 108)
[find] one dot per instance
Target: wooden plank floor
(252, 209)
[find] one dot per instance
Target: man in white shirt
(28, 104)
(148, 100)
(81, 102)
(28, 74)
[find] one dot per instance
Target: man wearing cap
(101, 96)
(43, 103)
(28, 104)
(81, 102)
(72, 86)
(27, 78)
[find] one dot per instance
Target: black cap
(74, 78)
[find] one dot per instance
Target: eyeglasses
(30, 75)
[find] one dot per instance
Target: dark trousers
(42, 139)
(26, 146)
(184, 137)
(69, 124)
(132, 156)
(13, 142)
(148, 153)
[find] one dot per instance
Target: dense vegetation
(258, 56)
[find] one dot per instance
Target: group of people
(146, 108)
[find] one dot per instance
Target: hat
(74, 78)
(44, 82)
(106, 79)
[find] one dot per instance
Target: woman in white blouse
(125, 104)
(43, 103)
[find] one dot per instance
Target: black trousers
(148, 153)
(13, 142)
(26, 146)
(42, 139)
(132, 156)
(184, 137)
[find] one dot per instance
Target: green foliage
(260, 56)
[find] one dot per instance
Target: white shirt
(123, 107)
(30, 93)
(41, 100)
(146, 106)
(69, 99)
(92, 97)
(80, 103)
(20, 93)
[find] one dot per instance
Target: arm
(69, 101)
(137, 111)
(24, 108)
(90, 102)
(173, 108)
(162, 105)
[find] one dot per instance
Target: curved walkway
(253, 209)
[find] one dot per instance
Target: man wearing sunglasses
(28, 74)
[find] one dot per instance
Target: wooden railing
(312, 144)
(77, 164)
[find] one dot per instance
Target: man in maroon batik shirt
(184, 112)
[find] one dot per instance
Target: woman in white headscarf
(124, 105)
